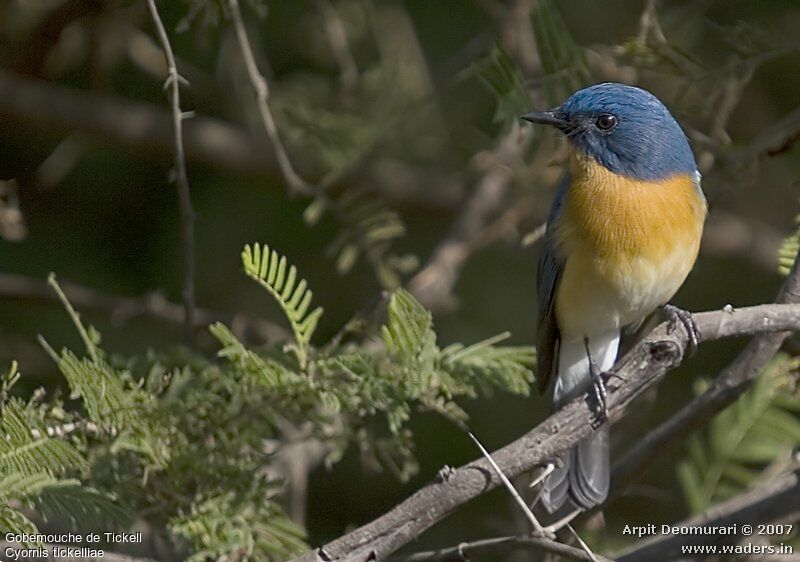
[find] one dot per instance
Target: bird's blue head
(626, 129)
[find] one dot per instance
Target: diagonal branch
(173, 84)
(433, 284)
(296, 184)
(642, 367)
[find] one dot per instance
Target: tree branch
(643, 366)
(296, 184)
(337, 37)
(121, 309)
(734, 380)
(433, 284)
(187, 216)
(145, 127)
(777, 499)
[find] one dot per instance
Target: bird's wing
(551, 264)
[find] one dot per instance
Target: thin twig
(534, 236)
(537, 527)
(91, 348)
(585, 547)
(647, 363)
(296, 184)
(173, 83)
(491, 548)
(337, 37)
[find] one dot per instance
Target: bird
(622, 235)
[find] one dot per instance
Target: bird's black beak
(552, 117)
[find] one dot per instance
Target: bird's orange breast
(629, 245)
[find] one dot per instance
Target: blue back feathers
(647, 143)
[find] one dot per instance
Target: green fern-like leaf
(788, 252)
(485, 364)
(69, 501)
(23, 486)
(267, 373)
(562, 59)
(504, 79)
(409, 335)
(25, 447)
(12, 521)
(117, 404)
(272, 272)
(369, 229)
(759, 429)
(223, 526)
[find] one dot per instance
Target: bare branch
(734, 380)
(173, 84)
(433, 284)
(776, 500)
(296, 184)
(337, 37)
(122, 309)
(642, 367)
(141, 126)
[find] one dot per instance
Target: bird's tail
(585, 475)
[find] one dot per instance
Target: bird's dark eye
(606, 122)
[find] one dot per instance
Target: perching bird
(622, 235)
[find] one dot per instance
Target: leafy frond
(563, 61)
(226, 526)
(23, 486)
(759, 429)
(25, 447)
(409, 328)
(272, 272)
(12, 521)
(265, 373)
(369, 228)
(69, 501)
(504, 79)
(509, 368)
(116, 404)
(788, 251)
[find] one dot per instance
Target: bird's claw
(599, 379)
(600, 394)
(674, 315)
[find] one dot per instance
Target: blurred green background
(417, 128)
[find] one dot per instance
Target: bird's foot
(675, 315)
(599, 380)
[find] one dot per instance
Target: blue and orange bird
(622, 235)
